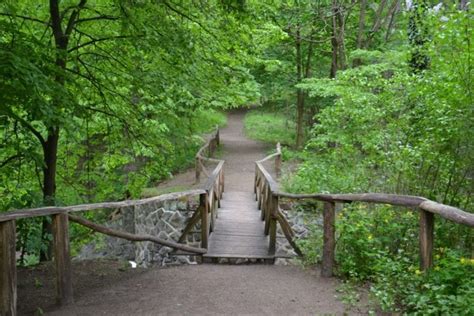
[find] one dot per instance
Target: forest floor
(107, 287)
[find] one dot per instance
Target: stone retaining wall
(163, 219)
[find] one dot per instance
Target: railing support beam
(273, 223)
(426, 240)
(8, 289)
(329, 239)
(204, 220)
(62, 259)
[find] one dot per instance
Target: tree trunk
(50, 146)
(299, 92)
(391, 18)
(334, 42)
(360, 33)
(340, 38)
(50, 153)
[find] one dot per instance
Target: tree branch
(101, 40)
(73, 17)
(184, 15)
(28, 18)
(100, 17)
(26, 125)
(10, 159)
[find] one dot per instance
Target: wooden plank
(244, 238)
(329, 239)
(426, 239)
(238, 256)
(8, 285)
(62, 259)
(237, 247)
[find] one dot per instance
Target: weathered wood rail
(205, 153)
(209, 200)
(268, 195)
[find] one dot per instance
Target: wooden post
(329, 239)
(62, 259)
(426, 239)
(218, 138)
(278, 161)
(273, 223)
(223, 181)
(204, 220)
(8, 268)
(198, 169)
(267, 208)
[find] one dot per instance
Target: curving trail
(207, 289)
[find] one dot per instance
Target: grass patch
(150, 192)
(205, 121)
(270, 127)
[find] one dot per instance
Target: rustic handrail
(211, 145)
(267, 194)
(54, 210)
(209, 200)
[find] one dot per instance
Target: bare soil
(107, 287)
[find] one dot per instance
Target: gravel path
(249, 289)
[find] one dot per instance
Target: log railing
(268, 195)
(209, 200)
(205, 153)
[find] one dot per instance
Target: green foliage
(270, 126)
(389, 130)
(128, 98)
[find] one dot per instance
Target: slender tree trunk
(50, 146)
(50, 150)
(334, 42)
(308, 74)
(361, 31)
(299, 92)
(391, 18)
(340, 39)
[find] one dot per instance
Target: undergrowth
(270, 126)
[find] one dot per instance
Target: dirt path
(215, 289)
(240, 154)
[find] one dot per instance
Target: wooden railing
(209, 200)
(268, 195)
(213, 188)
(205, 153)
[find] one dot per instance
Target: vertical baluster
(273, 223)
(329, 239)
(426, 239)
(204, 220)
(197, 166)
(8, 289)
(278, 161)
(62, 259)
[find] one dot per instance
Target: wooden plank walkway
(238, 231)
